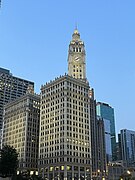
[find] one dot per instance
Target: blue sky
(34, 39)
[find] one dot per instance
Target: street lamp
(128, 172)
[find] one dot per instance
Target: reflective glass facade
(107, 112)
(127, 138)
(108, 140)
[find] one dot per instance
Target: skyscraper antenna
(76, 25)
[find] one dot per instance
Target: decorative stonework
(76, 57)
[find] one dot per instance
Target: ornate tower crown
(76, 35)
(76, 57)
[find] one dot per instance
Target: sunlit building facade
(64, 129)
(11, 87)
(65, 144)
(21, 129)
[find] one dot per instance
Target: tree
(8, 161)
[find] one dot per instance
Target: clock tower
(76, 57)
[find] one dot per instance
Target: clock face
(77, 58)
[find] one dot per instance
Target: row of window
(68, 167)
(77, 49)
(59, 85)
(57, 160)
(72, 123)
(77, 70)
(52, 93)
(56, 99)
(62, 153)
(60, 129)
(74, 87)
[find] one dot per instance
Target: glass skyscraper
(127, 147)
(106, 112)
(108, 139)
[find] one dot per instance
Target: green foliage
(8, 161)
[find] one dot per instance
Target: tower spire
(76, 26)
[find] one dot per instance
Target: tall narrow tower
(64, 140)
(76, 57)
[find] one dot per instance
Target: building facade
(108, 140)
(107, 137)
(93, 135)
(107, 113)
(101, 147)
(127, 147)
(65, 144)
(115, 171)
(65, 130)
(21, 129)
(11, 87)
